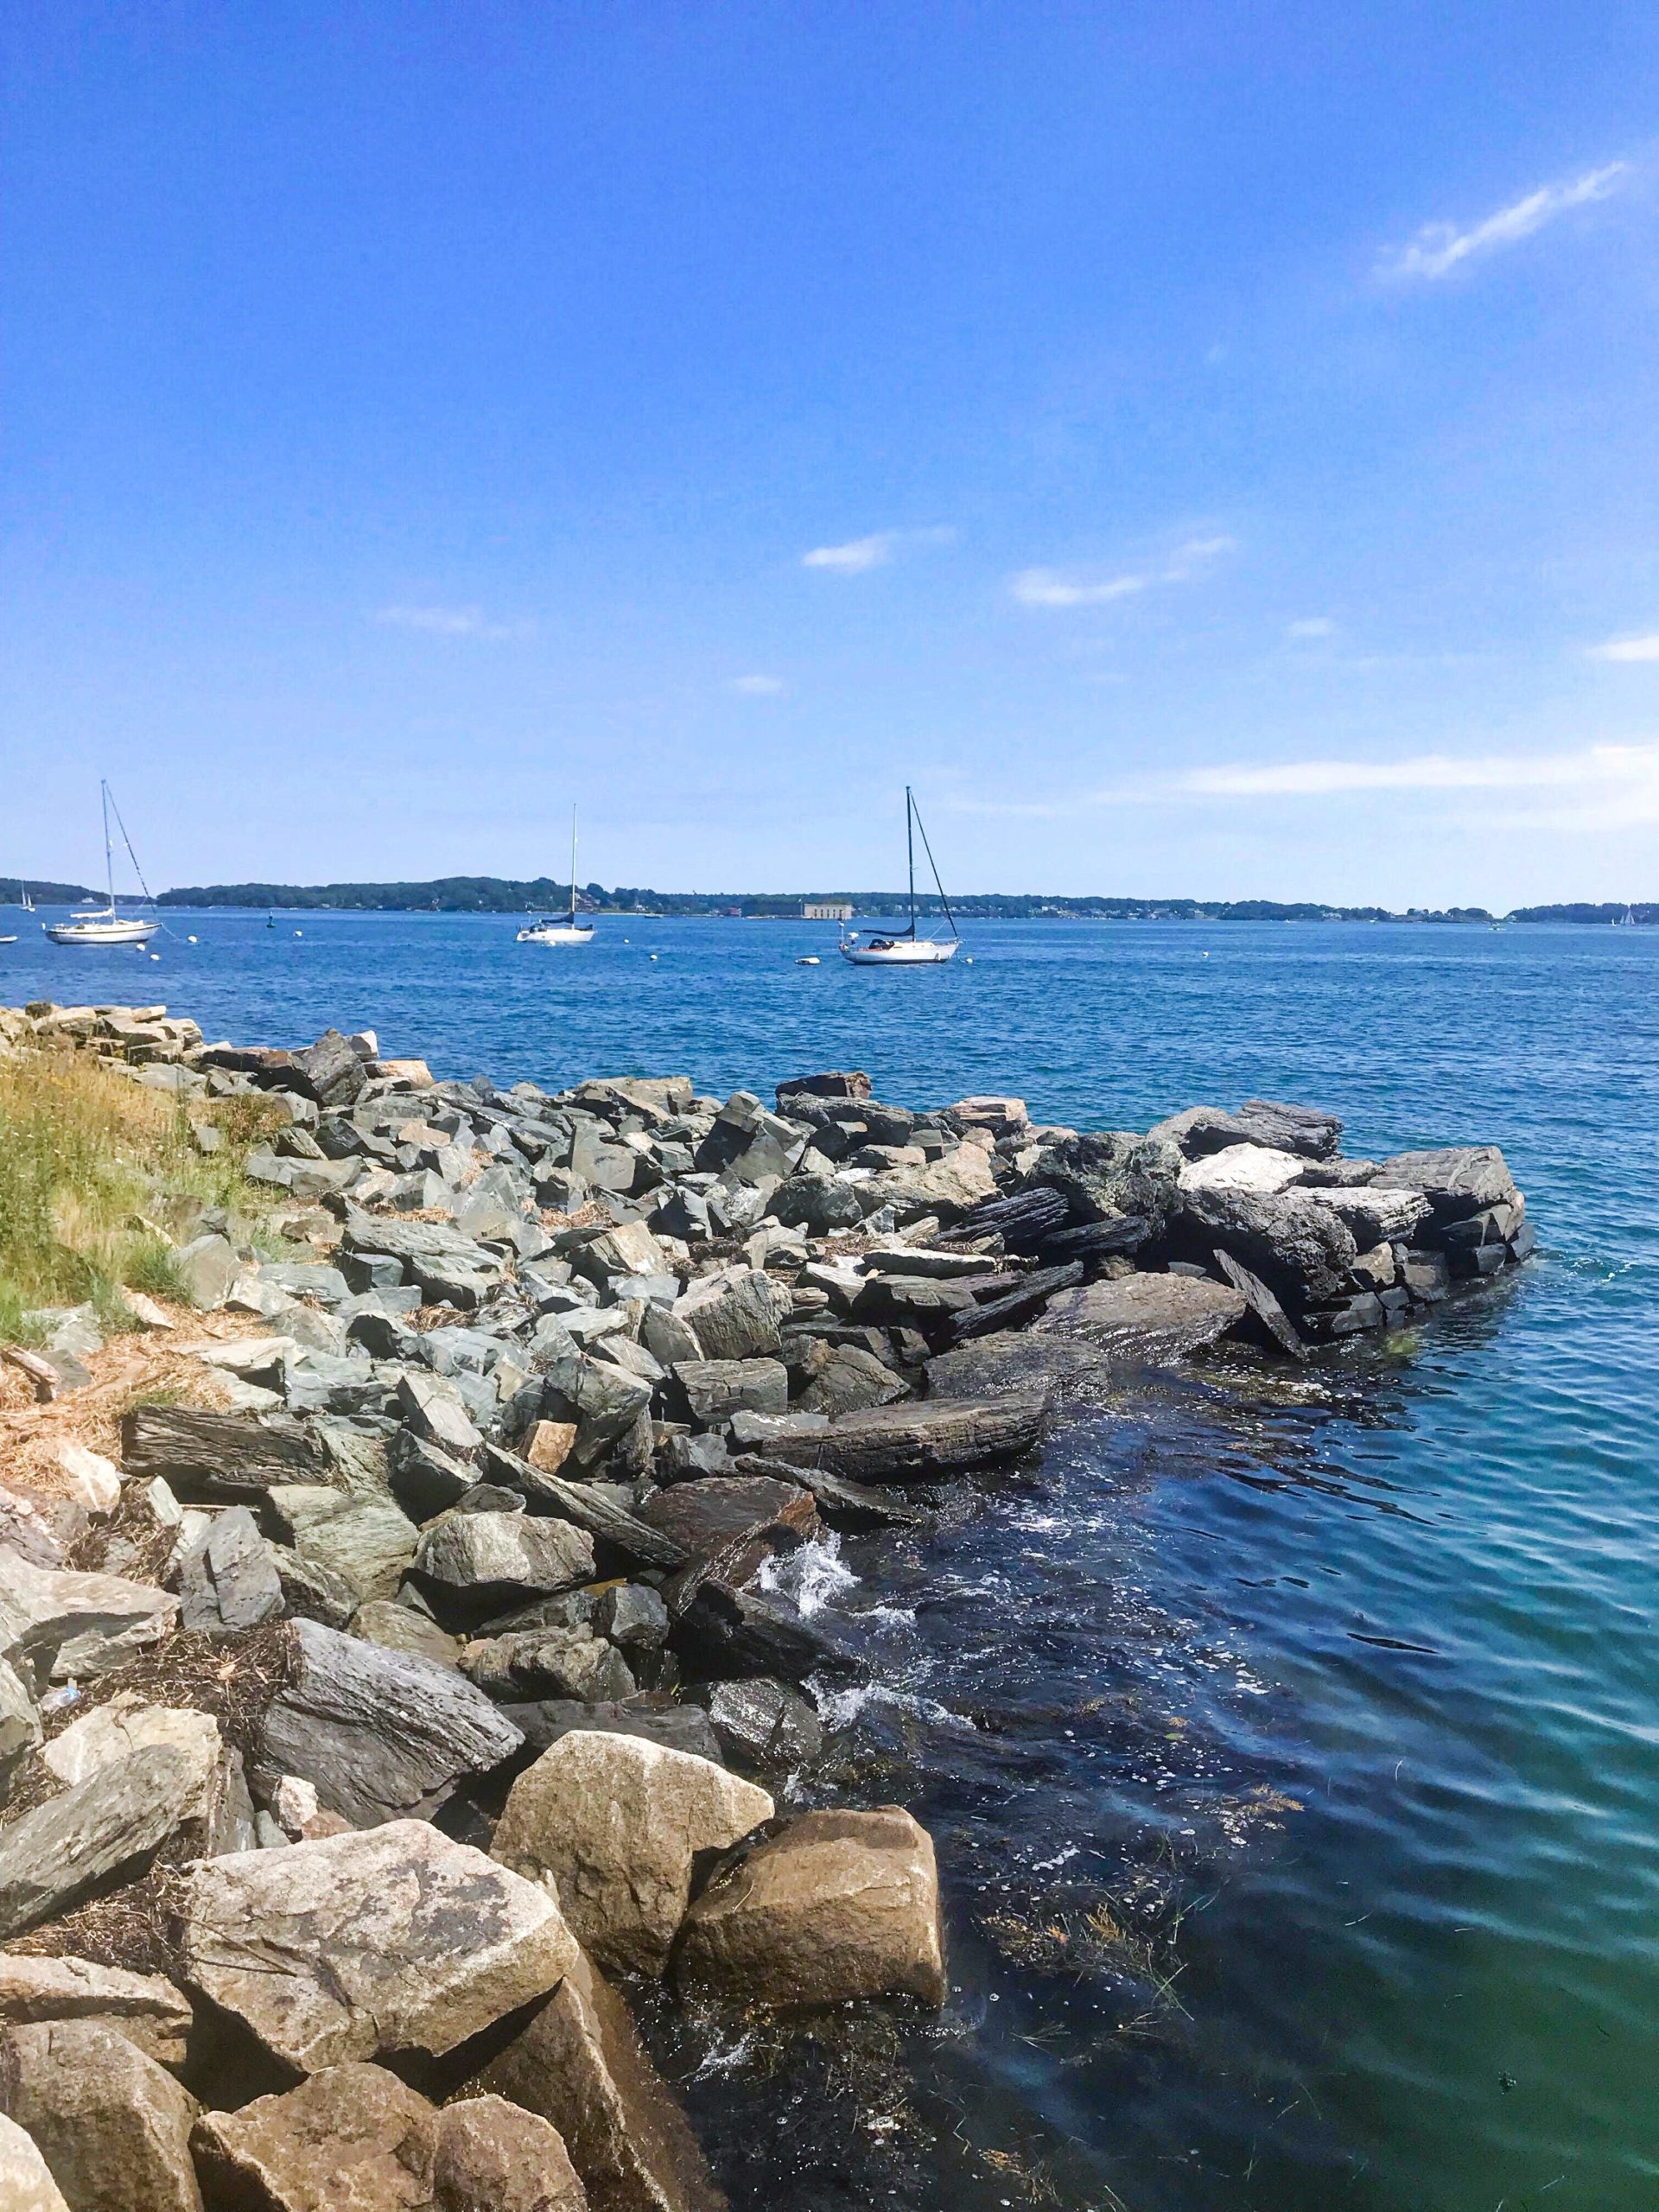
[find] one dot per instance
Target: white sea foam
(812, 1578)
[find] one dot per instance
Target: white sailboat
(95, 925)
(562, 928)
(903, 948)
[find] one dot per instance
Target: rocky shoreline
(366, 1737)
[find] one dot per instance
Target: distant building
(827, 910)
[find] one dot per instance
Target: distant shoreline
(503, 895)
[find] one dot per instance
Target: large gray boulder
(837, 1906)
(1305, 1130)
(925, 1442)
(1301, 1249)
(379, 1734)
(736, 1315)
(613, 1823)
(603, 1401)
(716, 1388)
(397, 1939)
(362, 1540)
(579, 2065)
(479, 1564)
(228, 1582)
(112, 2125)
(1457, 1180)
(1145, 1320)
(1021, 1359)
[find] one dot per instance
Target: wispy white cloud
(447, 621)
(1628, 649)
(1311, 626)
(758, 687)
(1599, 788)
(1439, 248)
(876, 551)
(1058, 587)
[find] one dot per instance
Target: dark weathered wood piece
(215, 1459)
(1033, 1293)
(924, 1442)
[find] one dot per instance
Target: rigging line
(934, 865)
(150, 895)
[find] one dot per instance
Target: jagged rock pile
(414, 1695)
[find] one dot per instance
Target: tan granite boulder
(392, 1938)
(112, 2125)
(145, 2008)
(611, 1824)
(490, 2156)
(26, 2183)
(579, 2065)
(353, 2139)
(838, 1905)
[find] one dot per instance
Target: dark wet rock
(1266, 1319)
(737, 1521)
(1427, 1275)
(397, 1939)
(379, 1734)
(579, 2065)
(816, 1203)
(721, 1633)
(426, 1478)
(1145, 1320)
(681, 1727)
(1200, 1130)
(1458, 1180)
(1020, 1360)
(1019, 1299)
(215, 1458)
(228, 1582)
(836, 1083)
(633, 1616)
(112, 2125)
(763, 1722)
(842, 1503)
(837, 1906)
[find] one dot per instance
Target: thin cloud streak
(758, 687)
(1439, 248)
(1628, 649)
(446, 621)
(1054, 587)
(859, 555)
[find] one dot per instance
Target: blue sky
(1206, 449)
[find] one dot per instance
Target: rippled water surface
(1291, 1746)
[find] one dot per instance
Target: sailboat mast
(109, 855)
(910, 856)
(573, 865)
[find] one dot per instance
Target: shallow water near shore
(1289, 1742)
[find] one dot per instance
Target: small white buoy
(967, 959)
(154, 955)
(653, 955)
(299, 933)
(808, 960)
(193, 940)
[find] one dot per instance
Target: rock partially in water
(1145, 1320)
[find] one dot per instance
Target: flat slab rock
(614, 1823)
(380, 1733)
(64, 1623)
(146, 2007)
(356, 2138)
(392, 1939)
(1145, 1320)
(1021, 1359)
(118, 1818)
(837, 1906)
(213, 1459)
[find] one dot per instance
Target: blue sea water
(1290, 1743)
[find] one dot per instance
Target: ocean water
(1290, 1743)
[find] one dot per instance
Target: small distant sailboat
(96, 925)
(904, 949)
(562, 928)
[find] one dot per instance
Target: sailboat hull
(557, 933)
(907, 952)
(101, 932)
